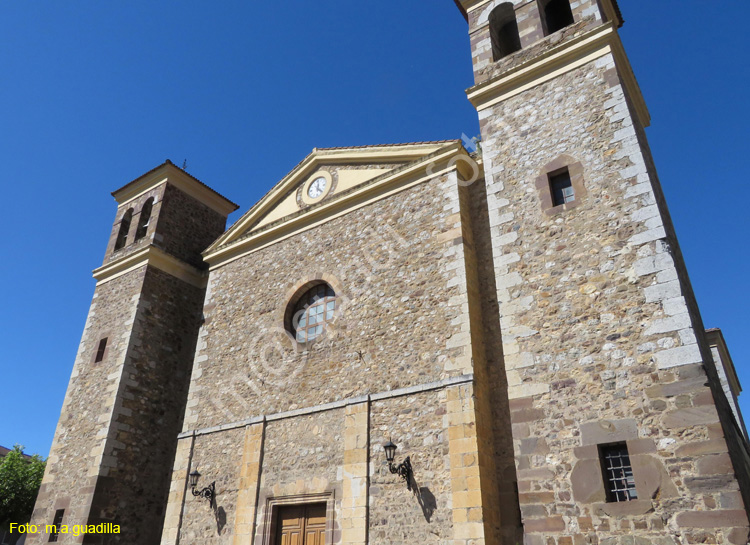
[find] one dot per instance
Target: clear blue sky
(94, 94)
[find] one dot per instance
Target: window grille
(618, 473)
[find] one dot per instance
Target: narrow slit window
(561, 187)
(618, 473)
(122, 235)
(100, 350)
(144, 219)
(56, 524)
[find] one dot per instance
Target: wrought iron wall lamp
(208, 492)
(403, 469)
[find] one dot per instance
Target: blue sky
(94, 94)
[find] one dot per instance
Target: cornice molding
(389, 184)
(156, 257)
(558, 60)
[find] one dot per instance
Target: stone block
(738, 536)
(527, 415)
(641, 446)
(712, 484)
(675, 357)
(673, 389)
(715, 464)
(546, 524)
(608, 431)
(691, 416)
(699, 448)
(712, 519)
(586, 481)
(652, 478)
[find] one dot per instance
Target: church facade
(414, 343)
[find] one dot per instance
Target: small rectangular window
(56, 524)
(100, 350)
(561, 187)
(618, 473)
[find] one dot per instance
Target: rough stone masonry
(508, 318)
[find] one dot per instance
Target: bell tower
(620, 426)
(111, 458)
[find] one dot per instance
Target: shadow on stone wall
(221, 519)
(425, 497)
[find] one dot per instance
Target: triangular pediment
(322, 177)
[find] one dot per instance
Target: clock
(317, 187)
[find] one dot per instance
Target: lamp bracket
(404, 470)
(208, 493)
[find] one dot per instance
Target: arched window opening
(144, 219)
(504, 31)
(557, 15)
(313, 313)
(122, 236)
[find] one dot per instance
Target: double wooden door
(301, 525)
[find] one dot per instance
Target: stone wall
(496, 380)
(116, 439)
(148, 413)
(398, 516)
(405, 270)
(393, 329)
(334, 456)
(136, 206)
(74, 463)
(186, 226)
(217, 457)
(586, 13)
(599, 341)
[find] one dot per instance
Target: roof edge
(462, 9)
(127, 191)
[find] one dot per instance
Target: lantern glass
(390, 451)
(194, 478)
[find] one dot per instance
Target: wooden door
(301, 525)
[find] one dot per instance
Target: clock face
(317, 188)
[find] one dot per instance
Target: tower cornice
(156, 257)
(558, 60)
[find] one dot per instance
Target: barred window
(313, 312)
(618, 473)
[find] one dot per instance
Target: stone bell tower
(112, 455)
(620, 426)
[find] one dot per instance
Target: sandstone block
(712, 519)
(691, 416)
(608, 431)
